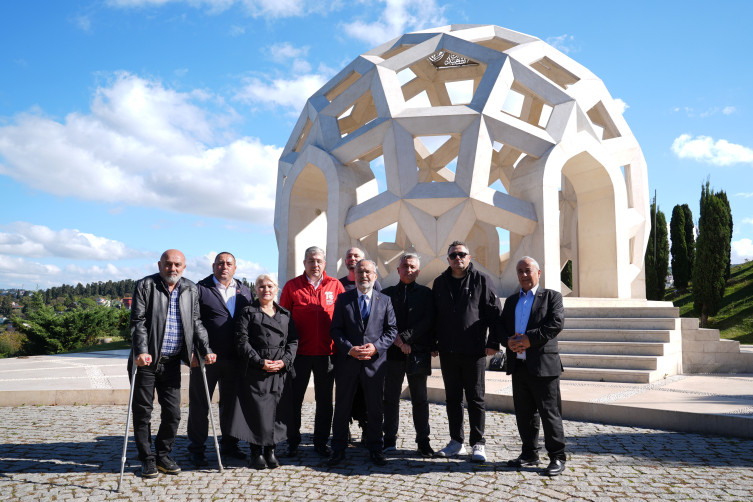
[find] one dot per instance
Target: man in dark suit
(530, 322)
(363, 328)
(221, 300)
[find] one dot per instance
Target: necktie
(364, 307)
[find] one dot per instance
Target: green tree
(680, 268)
(728, 247)
(689, 237)
(87, 303)
(657, 270)
(566, 276)
(711, 253)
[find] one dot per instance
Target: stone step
(613, 348)
(622, 312)
(615, 335)
(620, 323)
(625, 362)
(609, 375)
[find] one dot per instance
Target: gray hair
(528, 258)
(367, 261)
(314, 250)
(266, 277)
(410, 256)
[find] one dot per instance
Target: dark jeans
(537, 399)
(393, 384)
(324, 380)
(224, 373)
(464, 372)
(166, 379)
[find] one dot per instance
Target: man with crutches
(165, 330)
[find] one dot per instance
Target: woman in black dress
(267, 342)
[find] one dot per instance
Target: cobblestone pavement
(73, 453)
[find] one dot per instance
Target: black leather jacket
(414, 312)
(151, 299)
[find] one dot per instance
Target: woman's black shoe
(257, 460)
(269, 456)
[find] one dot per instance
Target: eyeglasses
(457, 255)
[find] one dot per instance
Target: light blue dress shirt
(523, 312)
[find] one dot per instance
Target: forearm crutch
(128, 423)
(211, 413)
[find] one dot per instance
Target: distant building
(103, 302)
(15, 305)
(127, 302)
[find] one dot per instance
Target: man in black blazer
(221, 300)
(363, 328)
(530, 322)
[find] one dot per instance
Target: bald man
(165, 331)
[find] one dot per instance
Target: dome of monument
(481, 131)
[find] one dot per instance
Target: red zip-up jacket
(312, 312)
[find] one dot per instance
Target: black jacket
(414, 311)
(216, 317)
(546, 322)
(462, 322)
(261, 410)
(151, 299)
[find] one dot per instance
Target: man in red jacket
(310, 298)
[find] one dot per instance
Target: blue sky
(131, 126)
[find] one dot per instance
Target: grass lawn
(116, 344)
(735, 317)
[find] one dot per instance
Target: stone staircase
(634, 341)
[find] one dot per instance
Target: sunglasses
(456, 255)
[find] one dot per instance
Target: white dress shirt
(227, 294)
(523, 313)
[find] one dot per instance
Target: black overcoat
(261, 410)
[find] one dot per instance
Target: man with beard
(165, 330)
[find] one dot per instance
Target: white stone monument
(539, 146)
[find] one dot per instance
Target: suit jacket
(216, 318)
(349, 330)
(545, 323)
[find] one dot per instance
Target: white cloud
(254, 8)
(563, 43)
(36, 241)
(181, 72)
(742, 250)
(729, 110)
(287, 93)
(709, 112)
(146, 145)
(83, 23)
(287, 50)
(398, 17)
(237, 30)
(621, 106)
(746, 195)
(748, 220)
(704, 149)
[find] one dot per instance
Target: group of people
(360, 342)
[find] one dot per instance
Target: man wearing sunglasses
(467, 306)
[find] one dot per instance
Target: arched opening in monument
(436, 157)
(307, 216)
(593, 229)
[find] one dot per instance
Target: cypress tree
(680, 268)
(566, 276)
(723, 196)
(689, 238)
(711, 254)
(656, 271)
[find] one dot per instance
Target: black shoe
(291, 451)
(425, 450)
(199, 459)
(167, 465)
(323, 450)
(336, 458)
(522, 461)
(390, 445)
(234, 452)
(555, 467)
(378, 458)
(149, 469)
(257, 459)
(269, 456)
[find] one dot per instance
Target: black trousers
(537, 400)
(393, 384)
(465, 373)
(373, 387)
(225, 374)
(323, 368)
(166, 380)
